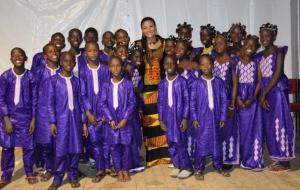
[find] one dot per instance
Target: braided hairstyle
(255, 39)
(241, 27)
(186, 26)
(210, 28)
(270, 27)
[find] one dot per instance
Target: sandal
(223, 173)
(53, 186)
(199, 175)
(98, 177)
(75, 183)
(3, 183)
(279, 166)
(45, 177)
(32, 179)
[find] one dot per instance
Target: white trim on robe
(18, 86)
(115, 93)
(170, 91)
(95, 77)
(210, 94)
(70, 91)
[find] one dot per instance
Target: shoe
(199, 176)
(175, 172)
(184, 174)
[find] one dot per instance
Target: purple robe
(93, 80)
(21, 113)
(173, 107)
(249, 118)
(117, 108)
(38, 62)
(278, 124)
(18, 99)
(208, 109)
(66, 114)
(230, 141)
(103, 57)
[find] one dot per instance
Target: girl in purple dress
(278, 124)
(224, 68)
(237, 34)
(18, 99)
(249, 113)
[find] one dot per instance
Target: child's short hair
(121, 30)
(75, 30)
(91, 30)
(92, 42)
(57, 34)
(209, 57)
(107, 32)
(46, 47)
(64, 54)
(21, 50)
(119, 47)
(171, 57)
(115, 57)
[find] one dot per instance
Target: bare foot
(126, 176)
(120, 176)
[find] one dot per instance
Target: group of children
(222, 100)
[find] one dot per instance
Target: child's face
(115, 67)
(220, 45)
(91, 37)
(136, 57)
(108, 40)
(148, 29)
(92, 52)
(67, 62)
(205, 37)
(206, 66)
(249, 47)
(122, 38)
(180, 49)
(170, 66)
(184, 33)
(236, 35)
(75, 39)
(170, 47)
(18, 58)
(122, 53)
(266, 38)
(59, 42)
(51, 53)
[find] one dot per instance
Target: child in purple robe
(65, 112)
(38, 60)
(118, 102)
(225, 68)
(173, 109)
(75, 40)
(208, 112)
(17, 117)
(249, 113)
(93, 75)
(278, 124)
(108, 41)
(44, 145)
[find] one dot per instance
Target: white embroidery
(256, 149)
(115, 93)
(287, 153)
(277, 129)
(282, 142)
(266, 66)
(170, 91)
(246, 72)
(231, 144)
(224, 150)
(17, 87)
(220, 70)
(52, 71)
(70, 92)
(185, 74)
(95, 78)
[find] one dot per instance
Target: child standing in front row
(118, 103)
(173, 109)
(17, 116)
(66, 118)
(249, 113)
(208, 112)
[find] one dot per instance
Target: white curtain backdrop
(30, 23)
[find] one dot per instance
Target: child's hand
(85, 131)
(162, 126)
(196, 124)
(91, 118)
(53, 129)
(122, 123)
(266, 105)
(248, 102)
(113, 124)
(32, 126)
(184, 125)
(230, 111)
(8, 125)
(222, 124)
(240, 103)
